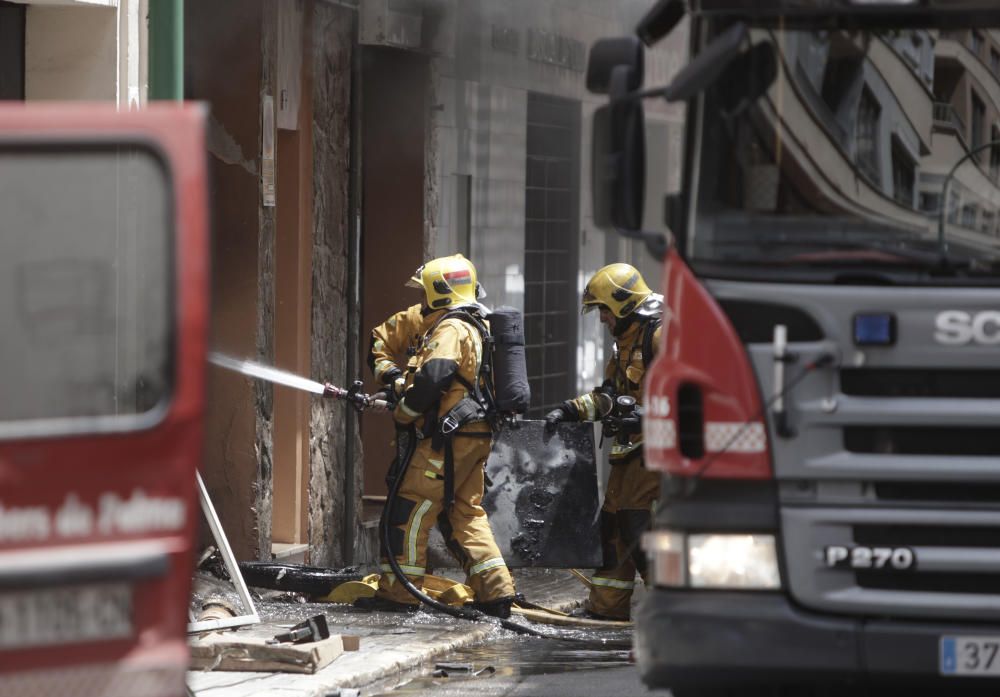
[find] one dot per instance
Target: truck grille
(935, 492)
(897, 446)
(922, 536)
(927, 536)
(957, 571)
(977, 584)
(922, 440)
(920, 382)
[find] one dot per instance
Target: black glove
(632, 423)
(554, 418)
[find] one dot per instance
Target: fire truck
(104, 313)
(824, 408)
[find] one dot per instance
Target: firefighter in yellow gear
(443, 435)
(631, 312)
(393, 349)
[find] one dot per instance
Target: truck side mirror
(660, 20)
(706, 68)
(607, 56)
(618, 165)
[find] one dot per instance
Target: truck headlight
(733, 561)
(746, 562)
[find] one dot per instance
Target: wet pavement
(595, 663)
(391, 644)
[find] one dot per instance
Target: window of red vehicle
(85, 289)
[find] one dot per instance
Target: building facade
(348, 142)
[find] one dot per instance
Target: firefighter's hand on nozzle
(554, 418)
(383, 400)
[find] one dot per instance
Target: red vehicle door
(103, 316)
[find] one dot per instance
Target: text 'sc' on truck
(825, 408)
(103, 316)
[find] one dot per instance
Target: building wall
(236, 482)
(86, 51)
(488, 57)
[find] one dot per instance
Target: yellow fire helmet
(619, 287)
(448, 282)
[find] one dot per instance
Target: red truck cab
(823, 406)
(103, 312)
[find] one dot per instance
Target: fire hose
(362, 401)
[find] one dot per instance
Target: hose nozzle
(331, 391)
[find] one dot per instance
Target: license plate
(65, 615)
(970, 655)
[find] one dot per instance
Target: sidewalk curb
(380, 657)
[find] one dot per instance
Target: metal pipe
(166, 49)
(354, 195)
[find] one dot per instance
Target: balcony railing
(946, 116)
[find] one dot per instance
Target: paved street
(595, 665)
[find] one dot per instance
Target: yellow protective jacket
(446, 365)
(623, 374)
(395, 342)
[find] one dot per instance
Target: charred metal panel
(542, 501)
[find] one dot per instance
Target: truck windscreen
(844, 166)
(85, 286)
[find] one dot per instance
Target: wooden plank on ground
(224, 651)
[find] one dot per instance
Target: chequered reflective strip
(617, 450)
(590, 409)
(612, 583)
(407, 410)
(411, 535)
(101, 680)
(659, 433)
(749, 437)
(486, 565)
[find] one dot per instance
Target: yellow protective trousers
(465, 528)
(626, 513)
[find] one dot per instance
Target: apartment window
(551, 249)
(838, 76)
(867, 135)
(930, 203)
(978, 121)
(988, 222)
(995, 62)
(977, 43)
(969, 212)
(11, 51)
(903, 175)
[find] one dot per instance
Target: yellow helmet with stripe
(447, 282)
(619, 287)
